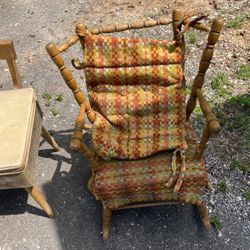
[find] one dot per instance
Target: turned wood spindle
(68, 43)
(69, 79)
(203, 143)
(178, 17)
(204, 64)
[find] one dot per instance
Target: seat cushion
(17, 109)
(125, 182)
(136, 88)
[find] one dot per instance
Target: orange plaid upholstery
(136, 88)
(124, 182)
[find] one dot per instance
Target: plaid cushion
(135, 85)
(125, 182)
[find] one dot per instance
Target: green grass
(238, 22)
(223, 186)
(220, 84)
(220, 115)
(187, 91)
(46, 96)
(235, 165)
(191, 37)
(216, 222)
(241, 100)
(247, 195)
(243, 72)
(59, 97)
(224, 155)
(197, 110)
(239, 121)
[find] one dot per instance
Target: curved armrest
(76, 139)
(212, 121)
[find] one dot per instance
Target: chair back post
(66, 73)
(204, 64)
(177, 18)
(8, 53)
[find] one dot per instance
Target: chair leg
(39, 198)
(47, 137)
(204, 215)
(106, 217)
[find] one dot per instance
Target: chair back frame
(179, 18)
(8, 53)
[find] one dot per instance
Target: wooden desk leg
(107, 213)
(39, 198)
(47, 137)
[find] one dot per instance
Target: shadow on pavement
(78, 214)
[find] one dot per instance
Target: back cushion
(136, 88)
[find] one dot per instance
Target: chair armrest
(76, 139)
(212, 121)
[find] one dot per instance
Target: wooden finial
(81, 29)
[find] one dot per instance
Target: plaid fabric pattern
(135, 87)
(125, 182)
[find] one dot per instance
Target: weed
(59, 97)
(235, 165)
(54, 111)
(191, 37)
(247, 195)
(215, 221)
(224, 155)
(220, 84)
(197, 110)
(243, 72)
(243, 100)
(220, 115)
(223, 186)
(187, 91)
(46, 96)
(237, 22)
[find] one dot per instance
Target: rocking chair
(144, 150)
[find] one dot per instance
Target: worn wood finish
(146, 24)
(106, 217)
(204, 214)
(39, 198)
(76, 140)
(212, 121)
(68, 43)
(204, 64)
(203, 143)
(70, 80)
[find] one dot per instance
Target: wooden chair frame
(8, 53)
(212, 127)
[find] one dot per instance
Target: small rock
(219, 234)
(238, 198)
